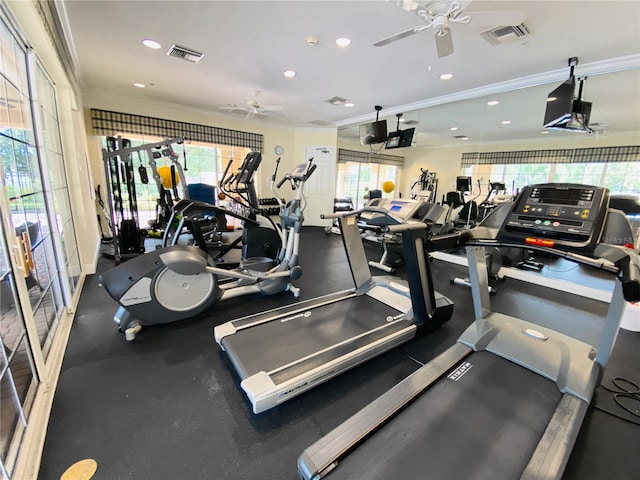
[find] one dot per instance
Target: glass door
(16, 366)
(40, 268)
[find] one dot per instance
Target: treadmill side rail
(552, 454)
(261, 391)
(248, 321)
(265, 390)
(323, 455)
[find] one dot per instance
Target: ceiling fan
(253, 107)
(442, 14)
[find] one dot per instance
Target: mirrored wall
(512, 121)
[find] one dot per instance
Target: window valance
(567, 155)
(109, 123)
(345, 156)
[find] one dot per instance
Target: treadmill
(507, 400)
(283, 352)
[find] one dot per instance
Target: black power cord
(627, 395)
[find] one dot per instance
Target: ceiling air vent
(508, 34)
(335, 100)
(319, 123)
(185, 53)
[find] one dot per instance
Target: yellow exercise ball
(165, 177)
(388, 186)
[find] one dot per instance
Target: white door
(320, 188)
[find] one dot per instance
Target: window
(618, 177)
(37, 223)
(359, 172)
(355, 179)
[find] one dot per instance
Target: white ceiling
(247, 45)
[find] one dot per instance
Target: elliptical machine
(203, 224)
(181, 281)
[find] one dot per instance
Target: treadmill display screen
(569, 196)
(570, 215)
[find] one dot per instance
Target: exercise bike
(181, 281)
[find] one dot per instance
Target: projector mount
(378, 108)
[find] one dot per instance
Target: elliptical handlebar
(275, 170)
(299, 175)
(224, 181)
(297, 178)
(282, 182)
(311, 169)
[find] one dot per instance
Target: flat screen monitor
(560, 104)
(497, 186)
(375, 132)
(400, 139)
(463, 184)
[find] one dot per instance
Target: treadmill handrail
(399, 225)
(615, 259)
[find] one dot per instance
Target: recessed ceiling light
(139, 85)
(446, 76)
(493, 102)
(349, 104)
(453, 129)
(343, 42)
(312, 40)
(506, 122)
(544, 132)
(289, 73)
(147, 42)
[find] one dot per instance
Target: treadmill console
(569, 216)
(398, 210)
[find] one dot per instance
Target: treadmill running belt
(484, 425)
(274, 344)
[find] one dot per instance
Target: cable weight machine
(426, 187)
(118, 158)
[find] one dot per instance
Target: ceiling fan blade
(444, 44)
(272, 108)
(235, 107)
(399, 36)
